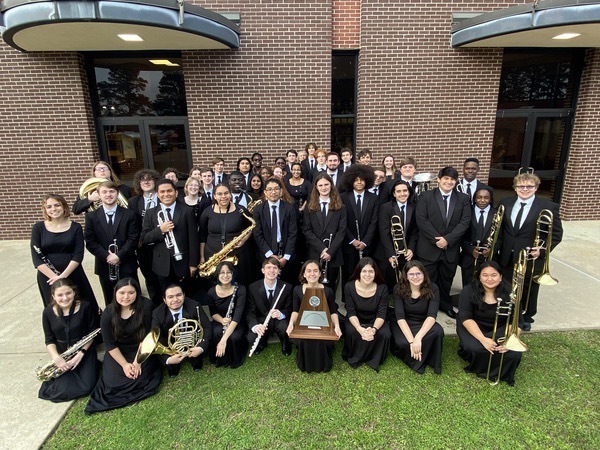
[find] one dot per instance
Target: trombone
(543, 226)
(492, 238)
(398, 240)
(510, 339)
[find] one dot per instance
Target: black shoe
(286, 348)
(526, 326)
(450, 313)
(258, 350)
(528, 319)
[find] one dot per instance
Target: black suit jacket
(368, 222)
(411, 232)
(186, 237)
(98, 236)
(288, 225)
(257, 303)
(315, 230)
(431, 223)
(338, 179)
(478, 185)
(306, 170)
(470, 238)
(512, 242)
(163, 319)
(224, 178)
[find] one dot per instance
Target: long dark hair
(403, 290)
(335, 202)
(367, 261)
(118, 324)
(301, 276)
(478, 292)
(61, 282)
(230, 266)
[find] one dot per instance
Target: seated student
(175, 308)
(125, 323)
(262, 295)
(227, 303)
(417, 336)
(314, 355)
(66, 321)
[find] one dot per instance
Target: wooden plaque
(314, 319)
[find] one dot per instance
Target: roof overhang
(45, 25)
(530, 25)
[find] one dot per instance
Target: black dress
(114, 389)
(218, 229)
(356, 350)
(237, 345)
(61, 248)
(314, 355)
(471, 349)
(65, 332)
(299, 193)
(415, 311)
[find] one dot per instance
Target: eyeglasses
(414, 275)
(102, 169)
(273, 189)
(525, 188)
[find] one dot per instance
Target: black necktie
(469, 193)
(219, 179)
(445, 197)
(324, 210)
(149, 203)
(517, 223)
(403, 217)
(175, 317)
(237, 199)
(480, 226)
(270, 297)
(376, 191)
(274, 229)
(312, 164)
(169, 216)
(358, 206)
(208, 195)
(110, 215)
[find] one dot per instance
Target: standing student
(106, 227)
(443, 217)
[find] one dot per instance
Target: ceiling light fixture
(163, 62)
(130, 37)
(565, 36)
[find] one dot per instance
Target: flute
(231, 305)
(46, 260)
(266, 322)
(360, 252)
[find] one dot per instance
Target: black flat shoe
(450, 313)
(526, 327)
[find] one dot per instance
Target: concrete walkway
(27, 421)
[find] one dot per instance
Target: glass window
(343, 100)
(129, 87)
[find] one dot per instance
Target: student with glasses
(417, 336)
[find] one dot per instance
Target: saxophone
(207, 268)
(50, 370)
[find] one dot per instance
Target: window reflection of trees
(123, 94)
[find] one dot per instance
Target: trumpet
(50, 370)
(327, 243)
(398, 240)
(360, 252)
(183, 336)
(510, 339)
(113, 269)
(170, 241)
(492, 238)
(543, 226)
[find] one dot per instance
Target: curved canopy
(550, 23)
(44, 25)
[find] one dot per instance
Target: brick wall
(417, 95)
(583, 167)
(270, 95)
(47, 143)
(346, 24)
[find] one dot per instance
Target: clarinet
(360, 252)
(231, 306)
(46, 260)
(266, 322)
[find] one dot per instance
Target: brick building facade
(417, 96)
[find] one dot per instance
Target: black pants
(442, 273)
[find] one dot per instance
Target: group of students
(316, 219)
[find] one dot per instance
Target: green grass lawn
(269, 403)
